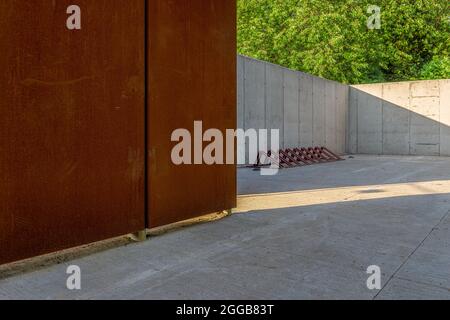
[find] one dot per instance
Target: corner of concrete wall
(352, 122)
(397, 118)
(307, 110)
(414, 118)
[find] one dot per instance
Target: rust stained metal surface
(72, 124)
(191, 77)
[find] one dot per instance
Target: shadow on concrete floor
(316, 245)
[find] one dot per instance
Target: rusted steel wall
(191, 76)
(72, 124)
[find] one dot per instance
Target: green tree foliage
(330, 38)
(437, 68)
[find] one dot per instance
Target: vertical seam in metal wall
(146, 122)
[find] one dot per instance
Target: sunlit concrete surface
(307, 233)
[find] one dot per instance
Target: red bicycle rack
(296, 157)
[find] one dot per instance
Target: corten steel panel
(191, 76)
(72, 124)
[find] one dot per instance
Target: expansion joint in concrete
(434, 228)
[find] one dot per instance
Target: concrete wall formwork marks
(308, 110)
(397, 118)
(400, 118)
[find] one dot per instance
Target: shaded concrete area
(307, 233)
(401, 118)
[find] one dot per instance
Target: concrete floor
(307, 233)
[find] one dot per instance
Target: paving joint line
(412, 253)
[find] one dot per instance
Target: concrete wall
(397, 118)
(308, 110)
(400, 118)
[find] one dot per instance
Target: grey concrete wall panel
(341, 117)
(424, 136)
(352, 123)
(425, 104)
(425, 127)
(395, 129)
(369, 124)
(240, 91)
(330, 115)
(319, 112)
(306, 109)
(274, 100)
(291, 109)
(254, 99)
(388, 118)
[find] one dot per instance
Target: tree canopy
(331, 38)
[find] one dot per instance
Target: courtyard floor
(306, 233)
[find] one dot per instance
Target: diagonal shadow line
(393, 129)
